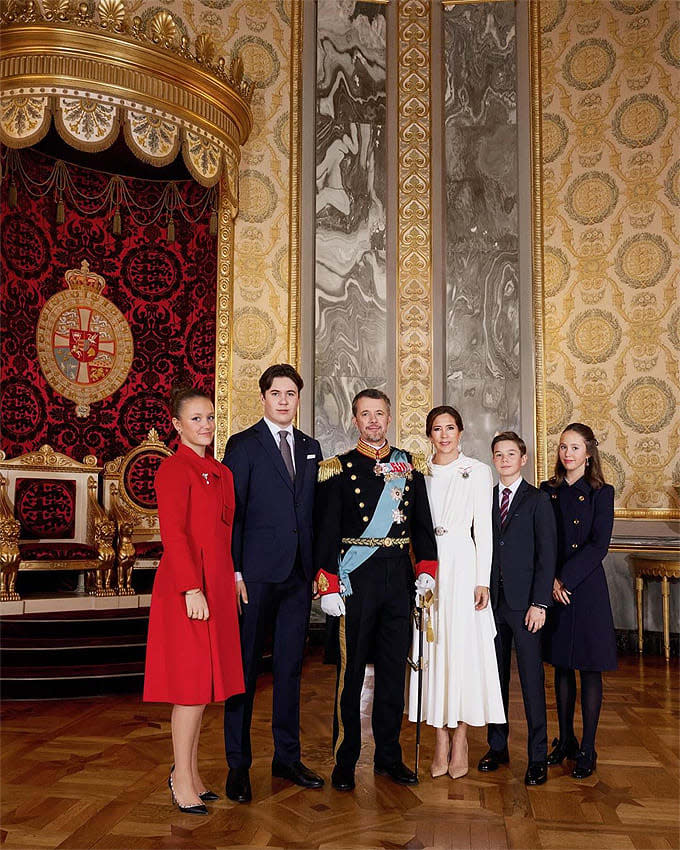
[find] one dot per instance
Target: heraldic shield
(84, 343)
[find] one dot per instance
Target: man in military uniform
(371, 507)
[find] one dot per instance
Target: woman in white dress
(460, 680)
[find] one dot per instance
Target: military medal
(398, 516)
(396, 494)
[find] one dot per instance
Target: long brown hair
(593, 472)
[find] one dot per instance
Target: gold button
(353, 477)
(406, 488)
(406, 501)
(574, 545)
(365, 519)
(361, 504)
(576, 521)
(403, 533)
(554, 496)
(357, 490)
(581, 498)
(349, 465)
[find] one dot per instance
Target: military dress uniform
(378, 593)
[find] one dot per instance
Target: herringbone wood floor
(92, 774)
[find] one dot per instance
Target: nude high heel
(437, 770)
(456, 770)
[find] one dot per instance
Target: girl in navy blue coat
(579, 633)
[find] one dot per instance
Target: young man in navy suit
(275, 468)
(522, 573)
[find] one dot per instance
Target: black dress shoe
(297, 773)
(209, 796)
(238, 785)
(198, 809)
(537, 773)
(563, 750)
(342, 778)
(585, 765)
(492, 759)
(398, 773)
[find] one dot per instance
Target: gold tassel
(171, 231)
(116, 228)
(329, 468)
(213, 223)
(12, 195)
(60, 211)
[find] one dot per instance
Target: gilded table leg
(639, 585)
(665, 599)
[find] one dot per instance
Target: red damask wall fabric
(166, 291)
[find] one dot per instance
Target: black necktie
(284, 445)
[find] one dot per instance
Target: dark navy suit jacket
(273, 515)
(524, 549)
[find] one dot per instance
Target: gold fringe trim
(419, 462)
(329, 468)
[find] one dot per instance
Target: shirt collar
(513, 488)
(274, 428)
(582, 485)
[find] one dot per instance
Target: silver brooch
(465, 472)
(440, 531)
(205, 477)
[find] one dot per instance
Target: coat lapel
(517, 500)
(301, 446)
(264, 435)
(496, 511)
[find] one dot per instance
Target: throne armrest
(102, 527)
(9, 545)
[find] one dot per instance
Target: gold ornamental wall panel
(414, 259)
(609, 279)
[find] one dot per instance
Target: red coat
(192, 662)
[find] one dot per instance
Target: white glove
(332, 605)
(424, 582)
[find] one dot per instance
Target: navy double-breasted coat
(580, 635)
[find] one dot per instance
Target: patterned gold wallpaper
(610, 76)
(266, 34)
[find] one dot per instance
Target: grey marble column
(350, 285)
(482, 283)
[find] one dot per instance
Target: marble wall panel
(350, 285)
(482, 263)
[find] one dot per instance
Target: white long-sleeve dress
(460, 679)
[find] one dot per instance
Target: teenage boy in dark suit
(522, 573)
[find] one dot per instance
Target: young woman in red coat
(579, 634)
(193, 652)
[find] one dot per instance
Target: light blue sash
(380, 524)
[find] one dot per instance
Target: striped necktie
(505, 504)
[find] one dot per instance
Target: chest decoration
(396, 493)
(440, 531)
(398, 516)
(206, 477)
(465, 473)
(393, 469)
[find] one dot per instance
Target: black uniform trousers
(284, 607)
(377, 625)
(510, 626)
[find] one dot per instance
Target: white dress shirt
(274, 428)
(511, 487)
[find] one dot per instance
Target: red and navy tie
(505, 504)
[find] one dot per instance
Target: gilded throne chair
(51, 519)
(130, 499)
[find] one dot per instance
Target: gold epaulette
(328, 468)
(419, 462)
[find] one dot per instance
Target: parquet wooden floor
(92, 773)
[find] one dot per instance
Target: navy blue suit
(272, 548)
(522, 573)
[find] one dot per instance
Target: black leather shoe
(563, 750)
(585, 765)
(537, 773)
(342, 778)
(209, 796)
(297, 773)
(492, 759)
(398, 773)
(238, 785)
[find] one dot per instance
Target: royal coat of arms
(84, 343)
